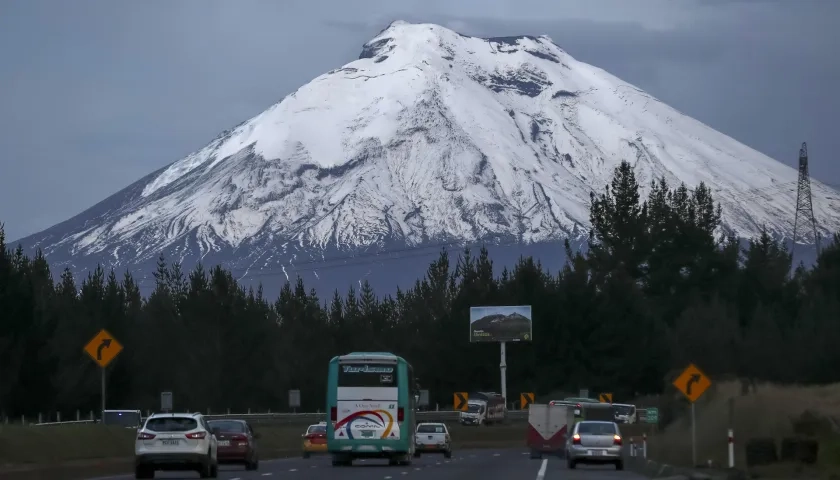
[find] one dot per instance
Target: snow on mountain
(430, 135)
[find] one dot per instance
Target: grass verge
(767, 413)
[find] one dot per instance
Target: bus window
(367, 375)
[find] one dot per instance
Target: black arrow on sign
(462, 402)
(106, 343)
(695, 378)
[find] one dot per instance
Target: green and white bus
(371, 397)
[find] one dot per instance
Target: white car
(178, 442)
(432, 438)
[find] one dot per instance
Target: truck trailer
(548, 426)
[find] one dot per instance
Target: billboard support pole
(503, 370)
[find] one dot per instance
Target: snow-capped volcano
(430, 135)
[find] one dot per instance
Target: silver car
(595, 442)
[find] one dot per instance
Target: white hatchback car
(175, 441)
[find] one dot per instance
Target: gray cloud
(100, 93)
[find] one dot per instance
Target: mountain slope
(428, 136)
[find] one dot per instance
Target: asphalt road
(487, 464)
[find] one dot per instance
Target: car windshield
(171, 424)
(596, 428)
(317, 429)
(625, 409)
(474, 408)
(229, 426)
(430, 429)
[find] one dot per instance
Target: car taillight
(551, 403)
(239, 437)
(400, 414)
(196, 435)
(576, 439)
(145, 436)
(334, 414)
(616, 439)
(310, 436)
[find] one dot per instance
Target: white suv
(175, 441)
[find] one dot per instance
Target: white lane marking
(497, 454)
(235, 478)
(404, 473)
(541, 473)
(386, 478)
(417, 468)
(438, 463)
(266, 474)
(293, 469)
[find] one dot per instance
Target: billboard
(501, 324)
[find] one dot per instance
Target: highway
(489, 464)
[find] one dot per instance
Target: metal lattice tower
(804, 205)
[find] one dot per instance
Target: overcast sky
(96, 94)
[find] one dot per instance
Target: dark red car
(236, 442)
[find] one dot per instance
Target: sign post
(693, 384)
(294, 400)
(166, 402)
(103, 349)
(423, 401)
(501, 325)
(652, 415)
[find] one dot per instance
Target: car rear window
(430, 429)
(227, 426)
(596, 428)
(171, 424)
(317, 429)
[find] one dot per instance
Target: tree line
(656, 288)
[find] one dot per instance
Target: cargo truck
(484, 408)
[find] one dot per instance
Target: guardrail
(300, 418)
(71, 422)
(315, 417)
(309, 418)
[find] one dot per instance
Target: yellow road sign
(460, 401)
(525, 399)
(103, 348)
(605, 397)
(692, 383)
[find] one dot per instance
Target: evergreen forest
(659, 286)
